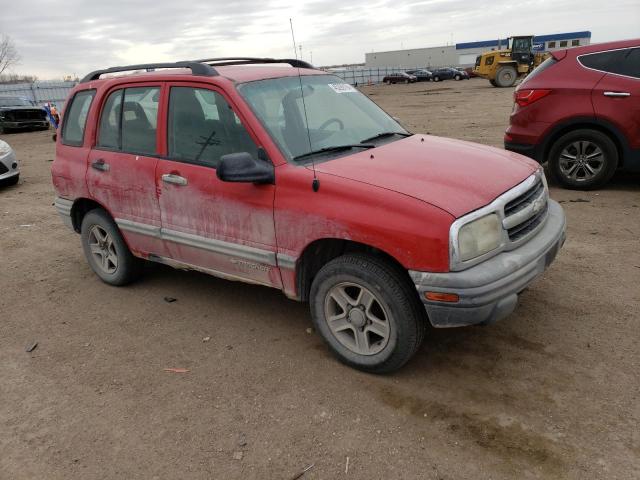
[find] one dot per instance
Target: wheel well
(79, 209)
(583, 125)
(320, 252)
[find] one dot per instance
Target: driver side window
(203, 127)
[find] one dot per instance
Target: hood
(454, 175)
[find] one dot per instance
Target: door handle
(616, 94)
(100, 165)
(174, 179)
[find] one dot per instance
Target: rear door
(70, 165)
(122, 164)
(226, 229)
(616, 97)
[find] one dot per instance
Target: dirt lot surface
(552, 392)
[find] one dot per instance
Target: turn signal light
(527, 97)
(441, 297)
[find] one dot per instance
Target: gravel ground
(552, 392)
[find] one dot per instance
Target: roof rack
(196, 68)
(253, 60)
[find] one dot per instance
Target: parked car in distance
(18, 113)
(399, 77)
(470, 72)
(9, 172)
(465, 74)
(446, 73)
(579, 112)
(219, 167)
(422, 75)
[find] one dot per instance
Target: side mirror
(242, 167)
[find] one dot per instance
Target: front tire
(583, 159)
(458, 78)
(436, 79)
(106, 251)
(506, 76)
(367, 312)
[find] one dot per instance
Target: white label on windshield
(342, 88)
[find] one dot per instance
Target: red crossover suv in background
(579, 111)
(293, 179)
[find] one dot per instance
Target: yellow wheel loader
(503, 67)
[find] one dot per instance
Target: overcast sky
(57, 38)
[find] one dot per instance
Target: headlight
(4, 148)
(479, 237)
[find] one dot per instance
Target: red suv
(291, 178)
(580, 112)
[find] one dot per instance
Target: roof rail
(196, 68)
(253, 60)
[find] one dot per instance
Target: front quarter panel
(411, 231)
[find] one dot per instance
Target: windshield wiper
(386, 134)
(336, 148)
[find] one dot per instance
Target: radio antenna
(315, 184)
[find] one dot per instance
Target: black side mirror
(242, 167)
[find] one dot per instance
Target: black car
(399, 77)
(18, 113)
(422, 75)
(448, 73)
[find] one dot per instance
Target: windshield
(336, 113)
(15, 102)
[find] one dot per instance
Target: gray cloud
(80, 35)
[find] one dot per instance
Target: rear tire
(506, 76)
(458, 77)
(583, 159)
(106, 251)
(367, 312)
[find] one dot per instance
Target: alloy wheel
(103, 249)
(581, 161)
(357, 318)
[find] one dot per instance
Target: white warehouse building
(464, 54)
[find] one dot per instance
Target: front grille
(528, 226)
(3, 168)
(525, 213)
(22, 115)
(521, 202)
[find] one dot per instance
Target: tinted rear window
(75, 118)
(600, 61)
(627, 63)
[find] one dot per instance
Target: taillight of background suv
(579, 112)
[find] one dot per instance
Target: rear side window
(600, 61)
(129, 120)
(75, 119)
(627, 63)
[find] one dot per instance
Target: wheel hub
(357, 317)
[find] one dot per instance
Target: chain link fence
(39, 92)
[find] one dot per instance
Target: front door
(121, 173)
(223, 228)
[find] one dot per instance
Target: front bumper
(488, 292)
(9, 167)
(25, 124)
